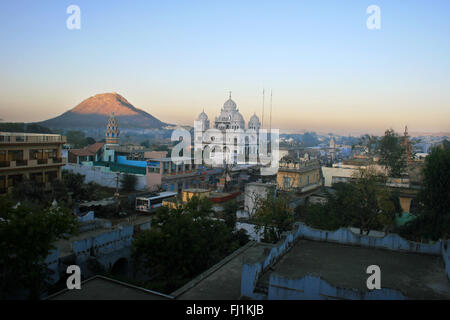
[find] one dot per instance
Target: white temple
(231, 124)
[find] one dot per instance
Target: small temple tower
(407, 145)
(112, 131)
(332, 149)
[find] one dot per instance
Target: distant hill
(95, 111)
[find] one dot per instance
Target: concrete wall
(445, 250)
(390, 242)
(103, 177)
(329, 173)
(314, 287)
(52, 262)
(103, 245)
(251, 272)
(153, 180)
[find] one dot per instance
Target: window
(14, 155)
(287, 182)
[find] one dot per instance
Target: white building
(228, 140)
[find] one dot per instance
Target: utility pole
(262, 126)
(117, 195)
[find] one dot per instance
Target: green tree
(29, 191)
(370, 203)
(370, 142)
(275, 215)
(76, 138)
(433, 217)
(89, 141)
(229, 214)
(145, 144)
(27, 236)
(365, 203)
(128, 182)
(392, 153)
(73, 182)
(330, 215)
(183, 242)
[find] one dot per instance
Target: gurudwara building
(228, 140)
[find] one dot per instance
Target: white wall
(102, 176)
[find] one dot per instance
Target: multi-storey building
(299, 175)
(165, 173)
(31, 156)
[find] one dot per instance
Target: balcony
(5, 164)
(21, 163)
(30, 138)
(57, 160)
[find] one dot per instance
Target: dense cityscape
(105, 200)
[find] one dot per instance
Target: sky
(327, 71)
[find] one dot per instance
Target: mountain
(95, 111)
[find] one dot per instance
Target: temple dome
(202, 116)
(254, 119)
(230, 105)
(237, 116)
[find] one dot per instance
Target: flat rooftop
(416, 276)
(103, 288)
(222, 281)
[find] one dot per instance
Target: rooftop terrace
(416, 276)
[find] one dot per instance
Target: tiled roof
(89, 150)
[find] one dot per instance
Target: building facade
(299, 175)
(32, 156)
(230, 141)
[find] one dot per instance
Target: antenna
(262, 124)
(270, 110)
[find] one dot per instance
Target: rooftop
(222, 281)
(22, 137)
(103, 288)
(416, 276)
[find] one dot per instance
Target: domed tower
(112, 131)
(229, 117)
(254, 123)
(237, 121)
(203, 118)
(229, 105)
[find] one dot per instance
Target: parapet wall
(390, 242)
(103, 244)
(52, 263)
(252, 272)
(313, 287)
(104, 178)
(446, 256)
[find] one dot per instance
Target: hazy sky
(327, 70)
